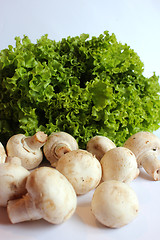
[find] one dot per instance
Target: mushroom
(99, 145)
(2, 153)
(28, 149)
(58, 143)
(50, 196)
(119, 164)
(82, 170)
(114, 204)
(146, 147)
(12, 181)
(14, 160)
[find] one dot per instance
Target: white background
(136, 23)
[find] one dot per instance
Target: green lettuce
(80, 85)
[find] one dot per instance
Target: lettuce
(84, 86)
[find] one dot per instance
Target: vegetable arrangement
(42, 192)
(80, 85)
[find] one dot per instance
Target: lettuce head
(80, 85)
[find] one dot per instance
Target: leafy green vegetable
(83, 86)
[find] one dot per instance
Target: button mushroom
(146, 147)
(119, 164)
(50, 196)
(58, 143)
(99, 145)
(114, 204)
(15, 160)
(12, 181)
(2, 153)
(82, 170)
(28, 149)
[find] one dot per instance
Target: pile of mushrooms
(114, 203)
(47, 191)
(31, 191)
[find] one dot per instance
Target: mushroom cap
(142, 142)
(16, 147)
(14, 160)
(114, 204)
(12, 182)
(53, 196)
(60, 141)
(119, 164)
(82, 169)
(99, 145)
(2, 153)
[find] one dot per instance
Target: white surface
(134, 22)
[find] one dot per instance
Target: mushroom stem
(61, 149)
(58, 143)
(36, 141)
(42, 200)
(23, 209)
(150, 162)
(58, 151)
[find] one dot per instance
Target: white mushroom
(50, 196)
(114, 204)
(28, 149)
(2, 153)
(119, 164)
(82, 170)
(146, 147)
(12, 181)
(58, 143)
(99, 145)
(14, 160)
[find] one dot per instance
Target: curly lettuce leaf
(83, 86)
